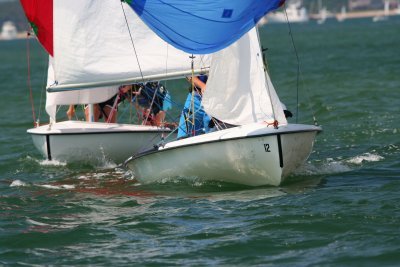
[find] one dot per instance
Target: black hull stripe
(48, 147)
(280, 150)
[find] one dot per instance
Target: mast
(91, 112)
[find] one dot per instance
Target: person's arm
(71, 112)
(138, 92)
(198, 83)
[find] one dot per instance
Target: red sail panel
(40, 16)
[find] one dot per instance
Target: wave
(62, 186)
(18, 183)
(335, 166)
(367, 157)
(328, 166)
(51, 163)
(45, 162)
(101, 164)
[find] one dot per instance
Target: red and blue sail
(202, 26)
(194, 26)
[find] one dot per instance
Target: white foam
(367, 157)
(245, 196)
(105, 165)
(330, 166)
(63, 186)
(338, 165)
(51, 163)
(103, 162)
(17, 183)
(36, 223)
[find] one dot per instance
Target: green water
(342, 210)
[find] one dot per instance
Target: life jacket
(150, 91)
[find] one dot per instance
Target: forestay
(239, 91)
(202, 26)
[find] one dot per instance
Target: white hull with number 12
(255, 154)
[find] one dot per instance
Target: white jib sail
(238, 90)
(92, 46)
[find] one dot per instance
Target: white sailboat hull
(251, 155)
(75, 141)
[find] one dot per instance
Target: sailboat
(90, 55)
(92, 49)
(261, 148)
(295, 13)
(386, 11)
(8, 31)
(342, 15)
(322, 13)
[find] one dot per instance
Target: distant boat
(9, 31)
(296, 13)
(398, 8)
(385, 15)
(379, 18)
(322, 13)
(342, 15)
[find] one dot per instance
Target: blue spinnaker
(202, 26)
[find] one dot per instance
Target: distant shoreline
(20, 35)
(360, 14)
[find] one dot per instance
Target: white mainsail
(239, 91)
(93, 47)
(85, 96)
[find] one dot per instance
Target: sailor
(108, 109)
(153, 100)
(288, 113)
(194, 120)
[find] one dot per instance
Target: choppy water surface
(341, 208)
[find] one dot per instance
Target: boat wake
(51, 163)
(109, 179)
(339, 165)
(367, 157)
(102, 164)
(45, 162)
(328, 166)
(19, 183)
(62, 186)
